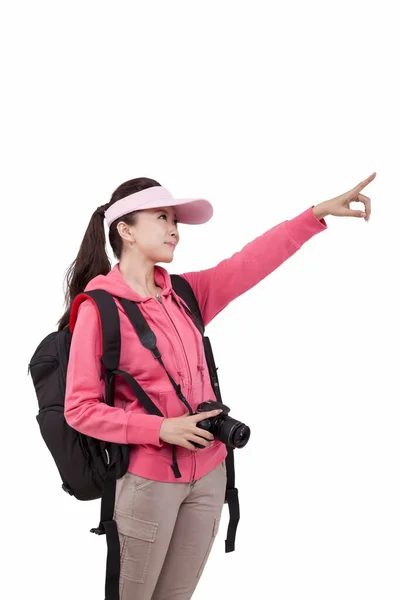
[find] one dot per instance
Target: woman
(167, 526)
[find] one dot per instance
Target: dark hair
(92, 258)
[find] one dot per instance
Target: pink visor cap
(189, 211)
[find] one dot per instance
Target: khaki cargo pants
(166, 532)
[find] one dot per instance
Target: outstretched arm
(215, 288)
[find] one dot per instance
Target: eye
(163, 216)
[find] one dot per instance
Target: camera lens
(231, 432)
(240, 435)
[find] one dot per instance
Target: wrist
(321, 210)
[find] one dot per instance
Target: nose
(174, 237)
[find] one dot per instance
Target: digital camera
(227, 430)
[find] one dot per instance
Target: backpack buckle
(98, 530)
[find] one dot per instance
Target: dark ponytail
(92, 258)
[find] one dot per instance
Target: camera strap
(148, 340)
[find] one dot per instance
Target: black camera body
(227, 430)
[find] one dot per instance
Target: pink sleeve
(84, 410)
(215, 288)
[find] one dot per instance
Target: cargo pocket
(136, 538)
(210, 545)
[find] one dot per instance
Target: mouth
(171, 244)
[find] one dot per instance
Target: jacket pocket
(136, 538)
(171, 406)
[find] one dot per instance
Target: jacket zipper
(182, 346)
(189, 376)
(40, 361)
(194, 469)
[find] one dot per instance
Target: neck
(139, 275)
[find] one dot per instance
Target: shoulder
(83, 310)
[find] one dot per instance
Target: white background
(265, 109)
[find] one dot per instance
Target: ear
(126, 231)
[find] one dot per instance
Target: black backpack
(89, 467)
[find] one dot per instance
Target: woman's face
(156, 234)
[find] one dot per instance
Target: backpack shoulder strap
(110, 344)
(183, 288)
(107, 313)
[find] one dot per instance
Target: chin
(164, 257)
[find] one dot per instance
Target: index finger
(364, 183)
(205, 415)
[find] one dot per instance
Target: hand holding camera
(209, 422)
(183, 431)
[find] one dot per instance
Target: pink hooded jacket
(181, 348)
